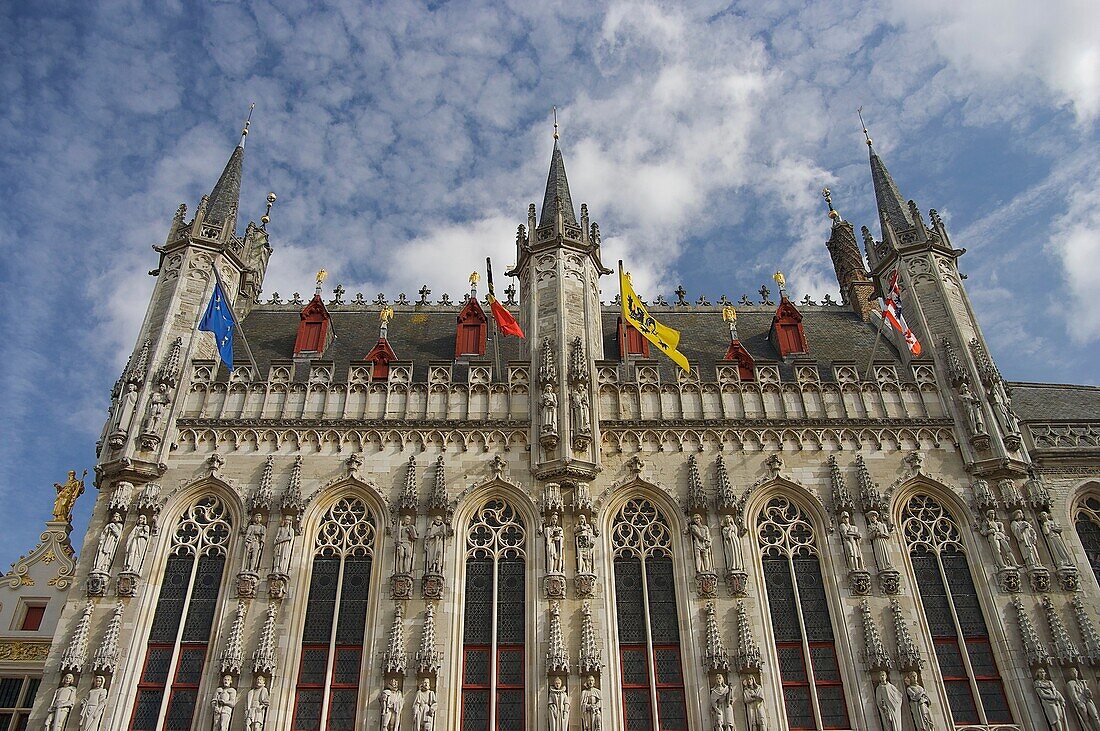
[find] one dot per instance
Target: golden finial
(828, 196)
(322, 275)
(475, 277)
(386, 314)
(555, 123)
(780, 280)
(864, 124)
(729, 313)
(247, 122)
(266, 218)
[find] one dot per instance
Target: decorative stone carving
(1010, 494)
(292, 504)
(590, 659)
(435, 545)
(841, 497)
(1065, 651)
(280, 552)
(552, 501)
(582, 499)
(721, 702)
(888, 700)
(725, 500)
(108, 544)
(136, 546)
(1039, 578)
(755, 712)
(749, 659)
(428, 659)
(1034, 650)
(701, 544)
(391, 701)
(438, 502)
(61, 705)
(232, 657)
(580, 412)
(909, 657)
(1026, 538)
(874, 652)
(554, 585)
(1008, 579)
(879, 533)
(584, 538)
(431, 586)
(555, 545)
(265, 659)
(973, 407)
(410, 498)
(1052, 701)
(224, 701)
(558, 705)
(715, 657)
(254, 535)
(859, 582)
(850, 538)
(406, 537)
(696, 494)
(424, 707)
(256, 703)
(731, 544)
(122, 416)
(152, 424)
(984, 500)
(260, 500)
(1087, 629)
(548, 410)
(557, 658)
(994, 532)
(120, 497)
(76, 652)
(105, 658)
(1056, 543)
(94, 705)
(1081, 698)
(591, 706)
(870, 499)
(394, 659)
(1037, 494)
(920, 705)
(148, 503)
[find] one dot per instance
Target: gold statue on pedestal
(67, 493)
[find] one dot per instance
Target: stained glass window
(1087, 522)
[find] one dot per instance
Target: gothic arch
(1081, 512)
(324, 497)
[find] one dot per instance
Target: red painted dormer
(787, 334)
(746, 366)
(472, 329)
(631, 342)
(314, 331)
(381, 355)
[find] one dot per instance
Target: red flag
(891, 311)
(505, 321)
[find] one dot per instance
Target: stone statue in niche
(1026, 537)
(391, 701)
(721, 701)
(973, 409)
(1005, 415)
(424, 707)
(158, 402)
(548, 405)
(64, 698)
(123, 417)
(254, 536)
(256, 704)
(580, 408)
(108, 544)
(1053, 702)
(555, 544)
(591, 719)
(435, 543)
(558, 705)
(879, 533)
(406, 540)
(136, 545)
(94, 705)
(851, 538)
(1080, 697)
(225, 699)
(1057, 544)
(888, 700)
(754, 704)
(585, 540)
(700, 543)
(994, 532)
(280, 554)
(731, 544)
(920, 705)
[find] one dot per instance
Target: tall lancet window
(963, 650)
(179, 639)
(645, 614)
(1087, 519)
(813, 691)
(495, 620)
(336, 613)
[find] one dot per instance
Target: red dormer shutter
(631, 342)
(787, 334)
(472, 330)
(381, 355)
(313, 328)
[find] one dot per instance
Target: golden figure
(386, 314)
(729, 314)
(67, 493)
(475, 277)
(780, 280)
(321, 276)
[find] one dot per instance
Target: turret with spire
(855, 283)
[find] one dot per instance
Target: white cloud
(1075, 237)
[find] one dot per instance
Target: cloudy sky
(405, 142)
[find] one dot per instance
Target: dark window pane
(629, 602)
(800, 713)
(21, 722)
(475, 667)
(478, 621)
(994, 701)
(157, 660)
(510, 710)
(781, 601)
(667, 662)
(792, 664)
(181, 709)
(981, 659)
(173, 593)
(31, 692)
(475, 710)
(635, 666)
(146, 710)
(511, 617)
(341, 712)
(811, 596)
(1089, 533)
(204, 599)
(510, 667)
(189, 669)
(663, 623)
(5, 721)
(353, 602)
(933, 595)
(345, 668)
(830, 699)
(963, 595)
(825, 665)
(307, 710)
(961, 701)
(949, 659)
(639, 715)
(322, 600)
(671, 709)
(313, 666)
(9, 692)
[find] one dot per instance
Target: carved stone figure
(124, 414)
(731, 545)
(580, 408)
(256, 704)
(424, 707)
(558, 706)
(136, 545)
(406, 540)
(391, 701)
(108, 544)
(920, 705)
(851, 538)
(1080, 697)
(548, 405)
(721, 701)
(1025, 536)
(994, 532)
(700, 543)
(591, 718)
(225, 699)
(888, 700)
(585, 541)
(92, 707)
(64, 698)
(879, 533)
(973, 409)
(1053, 702)
(1057, 544)
(254, 536)
(67, 493)
(158, 402)
(1005, 415)
(555, 544)
(280, 553)
(435, 541)
(754, 705)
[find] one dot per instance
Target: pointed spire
(842, 497)
(410, 498)
(1034, 650)
(72, 661)
(1087, 629)
(892, 209)
(1065, 651)
(261, 497)
(394, 659)
(697, 495)
(725, 499)
(428, 659)
(265, 659)
(874, 652)
(715, 657)
(233, 655)
(591, 659)
(909, 657)
(557, 188)
(438, 499)
(105, 659)
(749, 659)
(557, 658)
(225, 197)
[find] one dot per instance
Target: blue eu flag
(218, 319)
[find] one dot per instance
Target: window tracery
(949, 599)
(494, 624)
(331, 659)
(813, 688)
(179, 636)
(646, 617)
(1087, 522)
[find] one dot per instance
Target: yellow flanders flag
(636, 314)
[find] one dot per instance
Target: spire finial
(266, 218)
(555, 122)
(866, 134)
(828, 196)
(321, 276)
(247, 122)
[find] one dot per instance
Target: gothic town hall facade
(421, 526)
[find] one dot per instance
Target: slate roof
(1055, 402)
(557, 186)
(891, 206)
(226, 193)
(427, 334)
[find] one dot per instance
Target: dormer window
(631, 342)
(787, 334)
(313, 329)
(472, 330)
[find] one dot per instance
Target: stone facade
(556, 467)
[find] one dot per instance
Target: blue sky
(405, 142)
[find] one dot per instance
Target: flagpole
(871, 361)
(496, 325)
(236, 323)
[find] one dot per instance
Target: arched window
(1087, 521)
(645, 614)
(950, 602)
(494, 620)
(813, 692)
(179, 639)
(336, 611)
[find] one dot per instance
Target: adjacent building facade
(421, 525)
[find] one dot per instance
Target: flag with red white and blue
(891, 312)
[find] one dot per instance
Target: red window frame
(650, 673)
(502, 686)
(660, 685)
(186, 648)
(318, 688)
(485, 688)
(32, 618)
